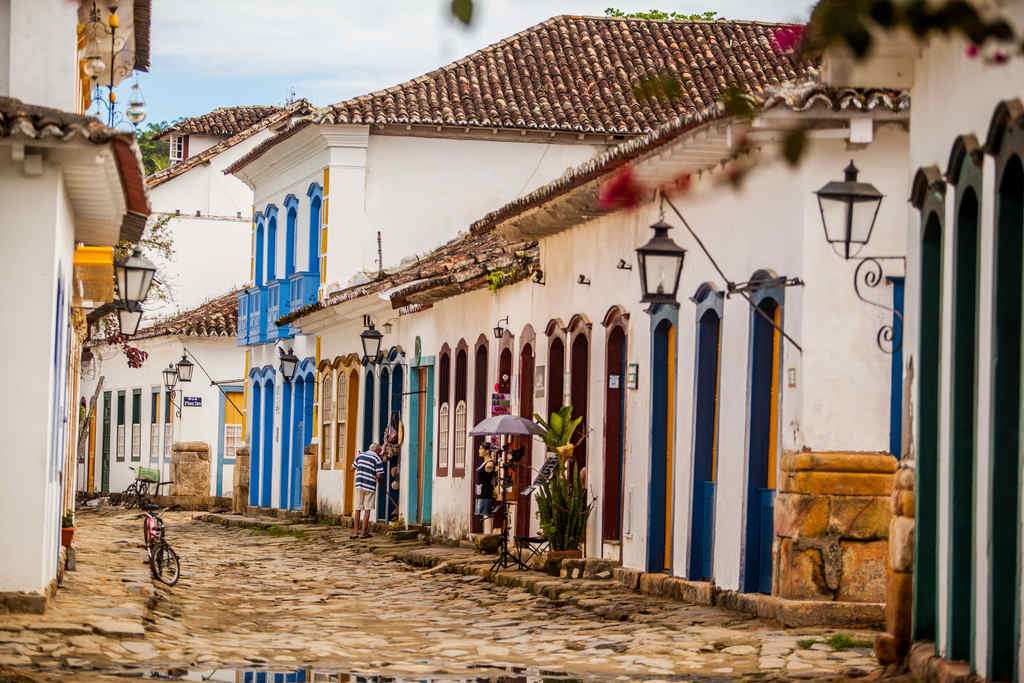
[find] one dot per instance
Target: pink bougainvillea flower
(678, 185)
(788, 38)
(621, 191)
(972, 50)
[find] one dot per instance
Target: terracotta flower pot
(67, 534)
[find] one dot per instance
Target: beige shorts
(365, 499)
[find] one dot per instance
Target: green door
(105, 460)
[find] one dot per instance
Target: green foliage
(564, 509)
(155, 153)
(463, 10)
(708, 15)
(805, 643)
(850, 22)
(277, 531)
(841, 641)
(559, 429)
(68, 520)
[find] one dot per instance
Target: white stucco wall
(34, 257)
(40, 63)
(221, 358)
(211, 250)
(955, 95)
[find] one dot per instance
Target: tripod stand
(505, 558)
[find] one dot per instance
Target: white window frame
(326, 408)
(176, 148)
(340, 417)
(459, 461)
(443, 434)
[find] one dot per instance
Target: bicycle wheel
(128, 498)
(165, 563)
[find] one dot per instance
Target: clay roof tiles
(223, 121)
(215, 318)
(574, 73)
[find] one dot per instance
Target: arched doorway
(479, 413)
(461, 410)
(705, 437)
(287, 410)
(392, 472)
(267, 466)
(1004, 502)
(614, 425)
(663, 409)
(368, 396)
(254, 442)
(523, 469)
(927, 459)
(352, 415)
(383, 413)
(308, 395)
(579, 386)
(964, 401)
(765, 350)
(556, 367)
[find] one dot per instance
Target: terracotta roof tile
(578, 74)
(215, 318)
(163, 175)
(222, 121)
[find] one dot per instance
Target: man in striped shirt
(369, 470)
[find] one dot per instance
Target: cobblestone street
(305, 596)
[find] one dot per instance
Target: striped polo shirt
(368, 466)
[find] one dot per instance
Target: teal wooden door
(105, 457)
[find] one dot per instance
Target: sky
(214, 53)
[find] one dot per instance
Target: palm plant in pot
(67, 528)
(562, 501)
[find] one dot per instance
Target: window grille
(327, 399)
(442, 436)
(460, 436)
(232, 440)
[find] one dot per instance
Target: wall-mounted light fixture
(622, 265)
(499, 331)
(583, 280)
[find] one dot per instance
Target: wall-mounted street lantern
(289, 363)
(128, 317)
(499, 331)
(95, 36)
(134, 277)
(184, 369)
(661, 266)
(370, 339)
(170, 377)
(849, 209)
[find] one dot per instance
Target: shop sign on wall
(193, 402)
(633, 376)
(538, 381)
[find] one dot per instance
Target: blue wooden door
(705, 435)
(267, 466)
(286, 432)
(759, 527)
(254, 444)
(661, 398)
(288, 459)
(307, 438)
(368, 394)
(392, 475)
(382, 427)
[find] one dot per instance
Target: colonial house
(138, 419)
(406, 169)
(207, 213)
(956, 560)
(74, 188)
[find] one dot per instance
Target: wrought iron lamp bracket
(753, 286)
(870, 273)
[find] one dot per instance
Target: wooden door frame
(479, 412)
(527, 341)
(616, 318)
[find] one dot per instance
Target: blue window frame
(291, 205)
(315, 194)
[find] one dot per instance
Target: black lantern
(661, 265)
(134, 277)
(499, 331)
(170, 377)
(848, 210)
(289, 362)
(184, 369)
(371, 339)
(128, 317)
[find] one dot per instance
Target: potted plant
(67, 528)
(562, 501)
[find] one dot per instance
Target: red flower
(621, 191)
(788, 38)
(972, 50)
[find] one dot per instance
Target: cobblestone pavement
(306, 596)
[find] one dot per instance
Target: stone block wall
(240, 484)
(310, 466)
(893, 645)
(832, 516)
(190, 469)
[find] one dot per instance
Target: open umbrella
(511, 425)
